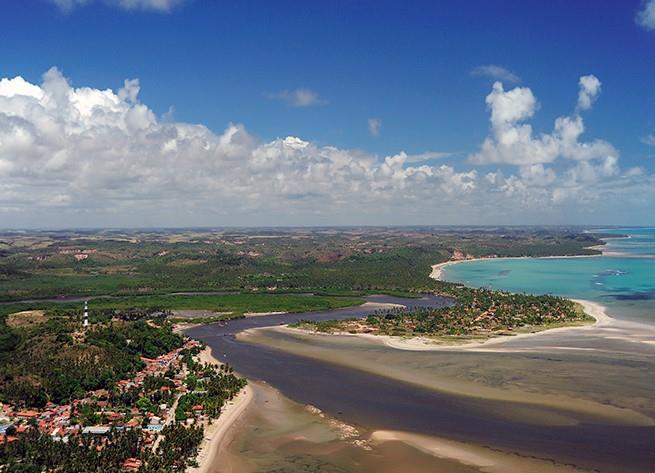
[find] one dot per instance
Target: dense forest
(53, 361)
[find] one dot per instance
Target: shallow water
(624, 284)
(278, 435)
(554, 396)
(359, 394)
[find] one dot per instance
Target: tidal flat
(595, 386)
(279, 435)
(565, 391)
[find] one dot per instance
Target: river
(363, 383)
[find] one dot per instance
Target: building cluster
(78, 254)
(65, 422)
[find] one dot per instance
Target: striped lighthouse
(86, 313)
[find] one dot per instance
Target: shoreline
(218, 431)
(437, 269)
(482, 458)
(593, 309)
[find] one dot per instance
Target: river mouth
(278, 435)
(354, 394)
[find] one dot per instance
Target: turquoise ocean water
(624, 282)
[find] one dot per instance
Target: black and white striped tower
(86, 314)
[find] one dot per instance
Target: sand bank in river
(494, 342)
(216, 433)
(485, 459)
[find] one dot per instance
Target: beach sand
(218, 432)
(497, 343)
(483, 458)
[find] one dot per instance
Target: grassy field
(234, 303)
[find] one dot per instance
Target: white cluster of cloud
(589, 90)
(513, 141)
(301, 97)
(495, 72)
(83, 156)
(153, 5)
(646, 16)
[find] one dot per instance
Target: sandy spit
(495, 343)
(217, 433)
(486, 459)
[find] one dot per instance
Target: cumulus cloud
(298, 97)
(72, 156)
(162, 6)
(589, 90)
(512, 140)
(495, 72)
(646, 16)
(374, 125)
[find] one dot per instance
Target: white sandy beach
(493, 343)
(496, 343)
(217, 432)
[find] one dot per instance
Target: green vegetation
(342, 262)
(476, 312)
(209, 390)
(126, 381)
(35, 452)
(234, 303)
(55, 362)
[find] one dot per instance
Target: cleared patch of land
(26, 318)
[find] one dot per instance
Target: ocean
(623, 279)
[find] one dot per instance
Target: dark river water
(382, 403)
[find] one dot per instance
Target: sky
(172, 113)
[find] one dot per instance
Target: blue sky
(406, 64)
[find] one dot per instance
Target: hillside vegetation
(325, 261)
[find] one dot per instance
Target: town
(169, 400)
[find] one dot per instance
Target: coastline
(437, 269)
(493, 343)
(216, 433)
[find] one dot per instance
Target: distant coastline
(437, 269)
